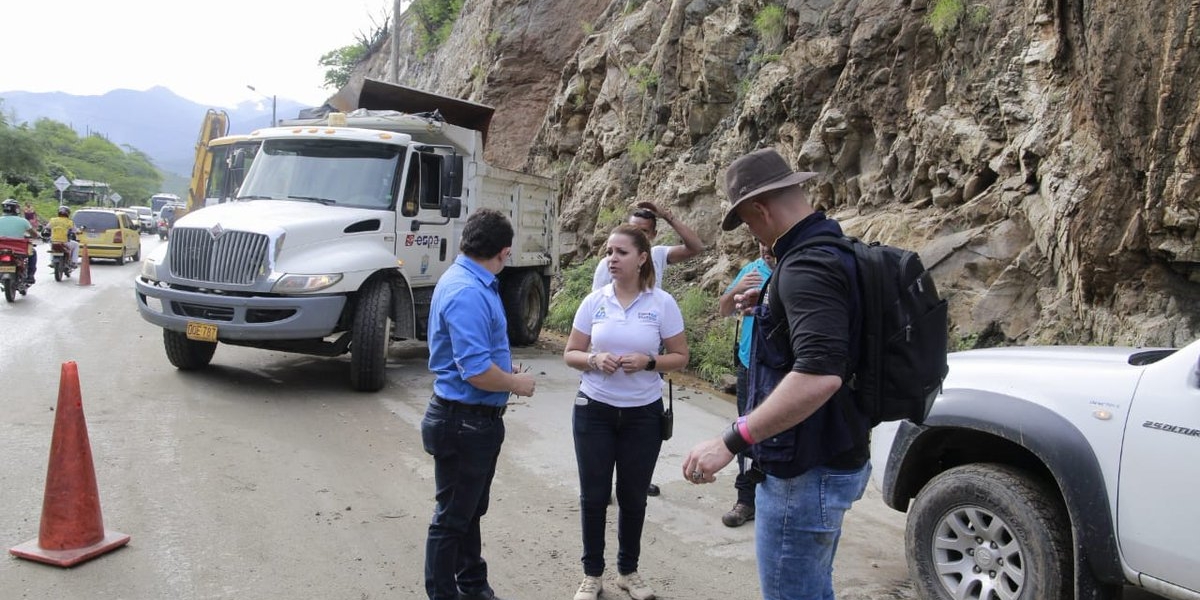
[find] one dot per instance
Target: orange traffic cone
(72, 529)
(85, 267)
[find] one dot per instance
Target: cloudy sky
(207, 51)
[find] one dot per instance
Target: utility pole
(394, 55)
(274, 121)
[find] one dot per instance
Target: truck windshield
(333, 172)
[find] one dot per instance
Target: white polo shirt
(653, 317)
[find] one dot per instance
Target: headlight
(149, 269)
(291, 284)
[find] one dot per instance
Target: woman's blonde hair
(642, 243)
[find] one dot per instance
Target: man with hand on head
(463, 428)
(645, 217)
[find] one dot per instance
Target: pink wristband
(744, 430)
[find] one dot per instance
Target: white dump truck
(339, 233)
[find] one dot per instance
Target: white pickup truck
(339, 233)
(1052, 472)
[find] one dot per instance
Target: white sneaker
(636, 586)
(590, 588)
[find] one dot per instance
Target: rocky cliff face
(1042, 155)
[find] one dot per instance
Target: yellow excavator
(221, 162)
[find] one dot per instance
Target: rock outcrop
(1042, 155)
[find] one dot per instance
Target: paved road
(265, 477)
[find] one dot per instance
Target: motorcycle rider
(13, 224)
(62, 230)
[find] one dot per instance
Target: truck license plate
(201, 332)
(8, 269)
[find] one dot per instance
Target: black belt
(455, 406)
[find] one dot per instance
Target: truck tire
(185, 354)
(987, 532)
(371, 336)
(525, 304)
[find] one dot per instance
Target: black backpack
(902, 352)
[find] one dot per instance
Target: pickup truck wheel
(525, 305)
(185, 354)
(370, 337)
(989, 532)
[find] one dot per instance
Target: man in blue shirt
(752, 277)
(463, 428)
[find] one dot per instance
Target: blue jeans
(629, 440)
(465, 448)
(798, 522)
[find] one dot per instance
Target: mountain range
(157, 121)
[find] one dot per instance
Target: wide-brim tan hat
(757, 173)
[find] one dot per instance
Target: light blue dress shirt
(468, 333)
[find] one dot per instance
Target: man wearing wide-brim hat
(803, 429)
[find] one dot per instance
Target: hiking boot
(590, 588)
(636, 586)
(738, 515)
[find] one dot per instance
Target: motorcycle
(60, 260)
(13, 276)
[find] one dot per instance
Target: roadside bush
(576, 284)
(710, 337)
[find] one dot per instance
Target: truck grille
(235, 257)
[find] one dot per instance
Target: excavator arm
(215, 125)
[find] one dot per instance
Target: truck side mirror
(452, 175)
(451, 207)
(237, 161)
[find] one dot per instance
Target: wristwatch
(653, 362)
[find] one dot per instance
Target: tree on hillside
(20, 156)
(341, 62)
(32, 157)
(130, 174)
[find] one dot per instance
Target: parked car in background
(108, 233)
(166, 219)
(133, 217)
(145, 219)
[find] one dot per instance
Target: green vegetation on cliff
(32, 157)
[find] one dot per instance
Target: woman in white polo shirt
(615, 341)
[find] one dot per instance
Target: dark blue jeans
(465, 448)
(742, 482)
(629, 440)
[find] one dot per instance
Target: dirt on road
(265, 477)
